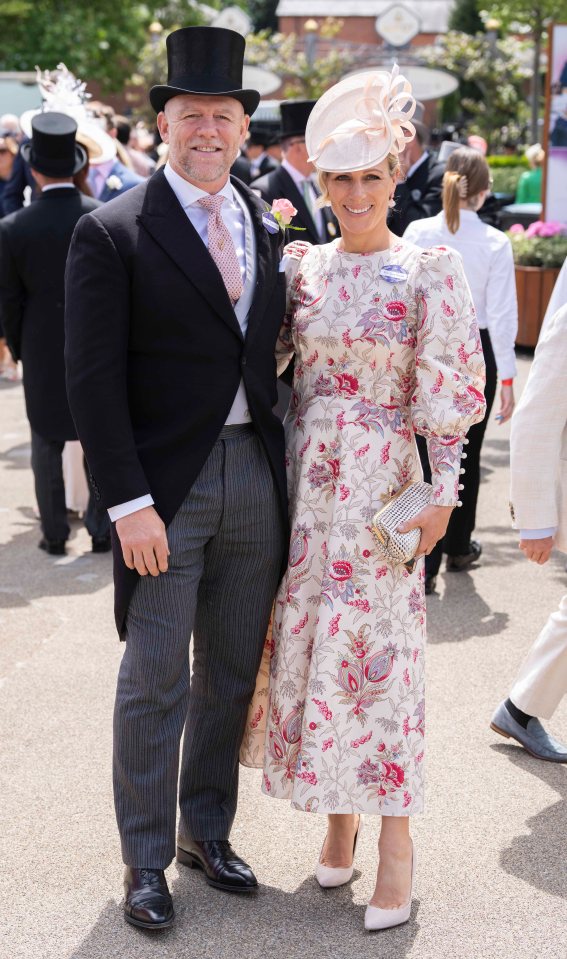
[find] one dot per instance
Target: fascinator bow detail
(383, 111)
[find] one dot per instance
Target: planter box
(533, 285)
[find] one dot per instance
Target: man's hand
(506, 403)
(538, 550)
(433, 522)
(144, 541)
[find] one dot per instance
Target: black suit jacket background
(34, 243)
(419, 196)
(279, 185)
(155, 353)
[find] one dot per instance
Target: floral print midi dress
(386, 344)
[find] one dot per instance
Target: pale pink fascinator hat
(359, 121)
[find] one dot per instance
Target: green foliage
(549, 251)
(496, 160)
(491, 74)
(97, 41)
(302, 77)
(505, 179)
(465, 17)
(531, 13)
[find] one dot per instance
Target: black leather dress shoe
(55, 547)
(222, 867)
(147, 902)
(455, 564)
(101, 544)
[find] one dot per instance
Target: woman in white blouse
(489, 268)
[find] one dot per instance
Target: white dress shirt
(489, 269)
(299, 179)
(58, 186)
(234, 215)
(415, 166)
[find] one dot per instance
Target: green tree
(263, 14)
(465, 17)
(495, 70)
(304, 73)
(531, 16)
(97, 41)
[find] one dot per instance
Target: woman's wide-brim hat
(99, 145)
(207, 61)
(53, 149)
(360, 121)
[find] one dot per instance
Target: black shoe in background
(101, 544)
(430, 584)
(456, 564)
(147, 902)
(55, 547)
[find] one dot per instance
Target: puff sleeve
(449, 377)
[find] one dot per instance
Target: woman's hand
(507, 403)
(297, 249)
(433, 521)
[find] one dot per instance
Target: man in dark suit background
(419, 194)
(33, 250)
(293, 180)
(174, 304)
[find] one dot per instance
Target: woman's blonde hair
(466, 175)
(323, 176)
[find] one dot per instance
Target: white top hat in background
(360, 120)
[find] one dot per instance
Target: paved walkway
(491, 878)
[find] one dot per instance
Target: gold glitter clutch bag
(400, 548)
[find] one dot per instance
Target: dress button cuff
(459, 503)
(463, 456)
(461, 471)
(460, 486)
(466, 441)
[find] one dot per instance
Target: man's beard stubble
(194, 169)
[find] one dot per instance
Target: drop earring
(391, 203)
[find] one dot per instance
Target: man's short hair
(123, 130)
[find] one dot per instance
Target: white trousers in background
(542, 680)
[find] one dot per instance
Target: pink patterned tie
(221, 246)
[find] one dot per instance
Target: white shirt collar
(187, 193)
(417, 164)
(58, 186)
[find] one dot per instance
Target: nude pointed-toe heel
(330, 876)
(376, 918)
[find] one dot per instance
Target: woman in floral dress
(386, 344)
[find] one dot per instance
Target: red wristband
(508, 382)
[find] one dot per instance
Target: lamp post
(310, 29)
(492, 27)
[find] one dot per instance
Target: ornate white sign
(397, 25)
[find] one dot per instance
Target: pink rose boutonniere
(280, 217)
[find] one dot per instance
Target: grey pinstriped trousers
(226, 544)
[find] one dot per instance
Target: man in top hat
(174, 304)
(260, 137)
(293, 180)
(34, 243)
(419, 194)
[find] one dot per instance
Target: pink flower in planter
(516, 228)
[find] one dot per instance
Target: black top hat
(205, 60)
(52, 149)
(264, 133)
(295, 114)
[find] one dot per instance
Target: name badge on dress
(393, 273)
